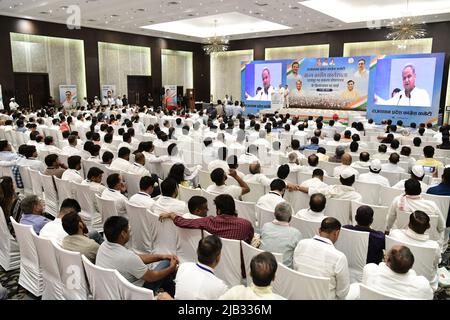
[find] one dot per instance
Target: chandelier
(215, 44)
(405, 28)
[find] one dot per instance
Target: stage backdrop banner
(108, 88)
(406, 87)
(321, 83)
(170, 95)
(68, 95)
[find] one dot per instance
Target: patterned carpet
(10, 280)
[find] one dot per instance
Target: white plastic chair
(107, 207)
(246, 210)
(393, 177)
(379, 215)
(53, 286)
(133, 183)
(307, 228)
(229, 268)
(89, 214)
(248, 252)
(339, 209)
(9, 248)
(366, 293)
(103, 282)
(72, 274)
(26, 180)
(294, 285)
(143, 226)
(264, 216)
(423, 257)
(387, 195)
(51, 197)
(354, 244)
(129, 291)
(36, 182)
(64, 188)
(205, 179)
(166, 169)
(212, 210)
(166, 239)
(298, 200)
(188, 244)
(369, 191)
(30, 273)
(256, 192)
(187, 193)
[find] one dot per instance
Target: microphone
(399, 98)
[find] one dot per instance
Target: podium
(190, 93)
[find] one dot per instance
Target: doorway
(31, 89)
(138, 89)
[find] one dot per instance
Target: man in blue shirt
(32, 208)
(364, 218)
(314, 144)
(443, 189)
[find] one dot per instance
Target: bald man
(346, 162)
(256, 176)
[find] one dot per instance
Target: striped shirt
(224, 225)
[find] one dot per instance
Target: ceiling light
(216, 44)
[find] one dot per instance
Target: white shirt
(412, 204)
(140, 170)
(122, 165)
(319, 257)
(270, 200)
(408, 236)
(377, 178)
(196, 281)
(401, 185)
(168, 204)
(119, 198)
(72, 175)
(338, 170)
(337, 192)
(418, 98)
(392, 167)
(314, 183)
(251, 293)
(404, 286)
(310, 215)
(142, 199)
(98, 188)
(71, 151)
(54, 230)
(258, 178)
(234, 191)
